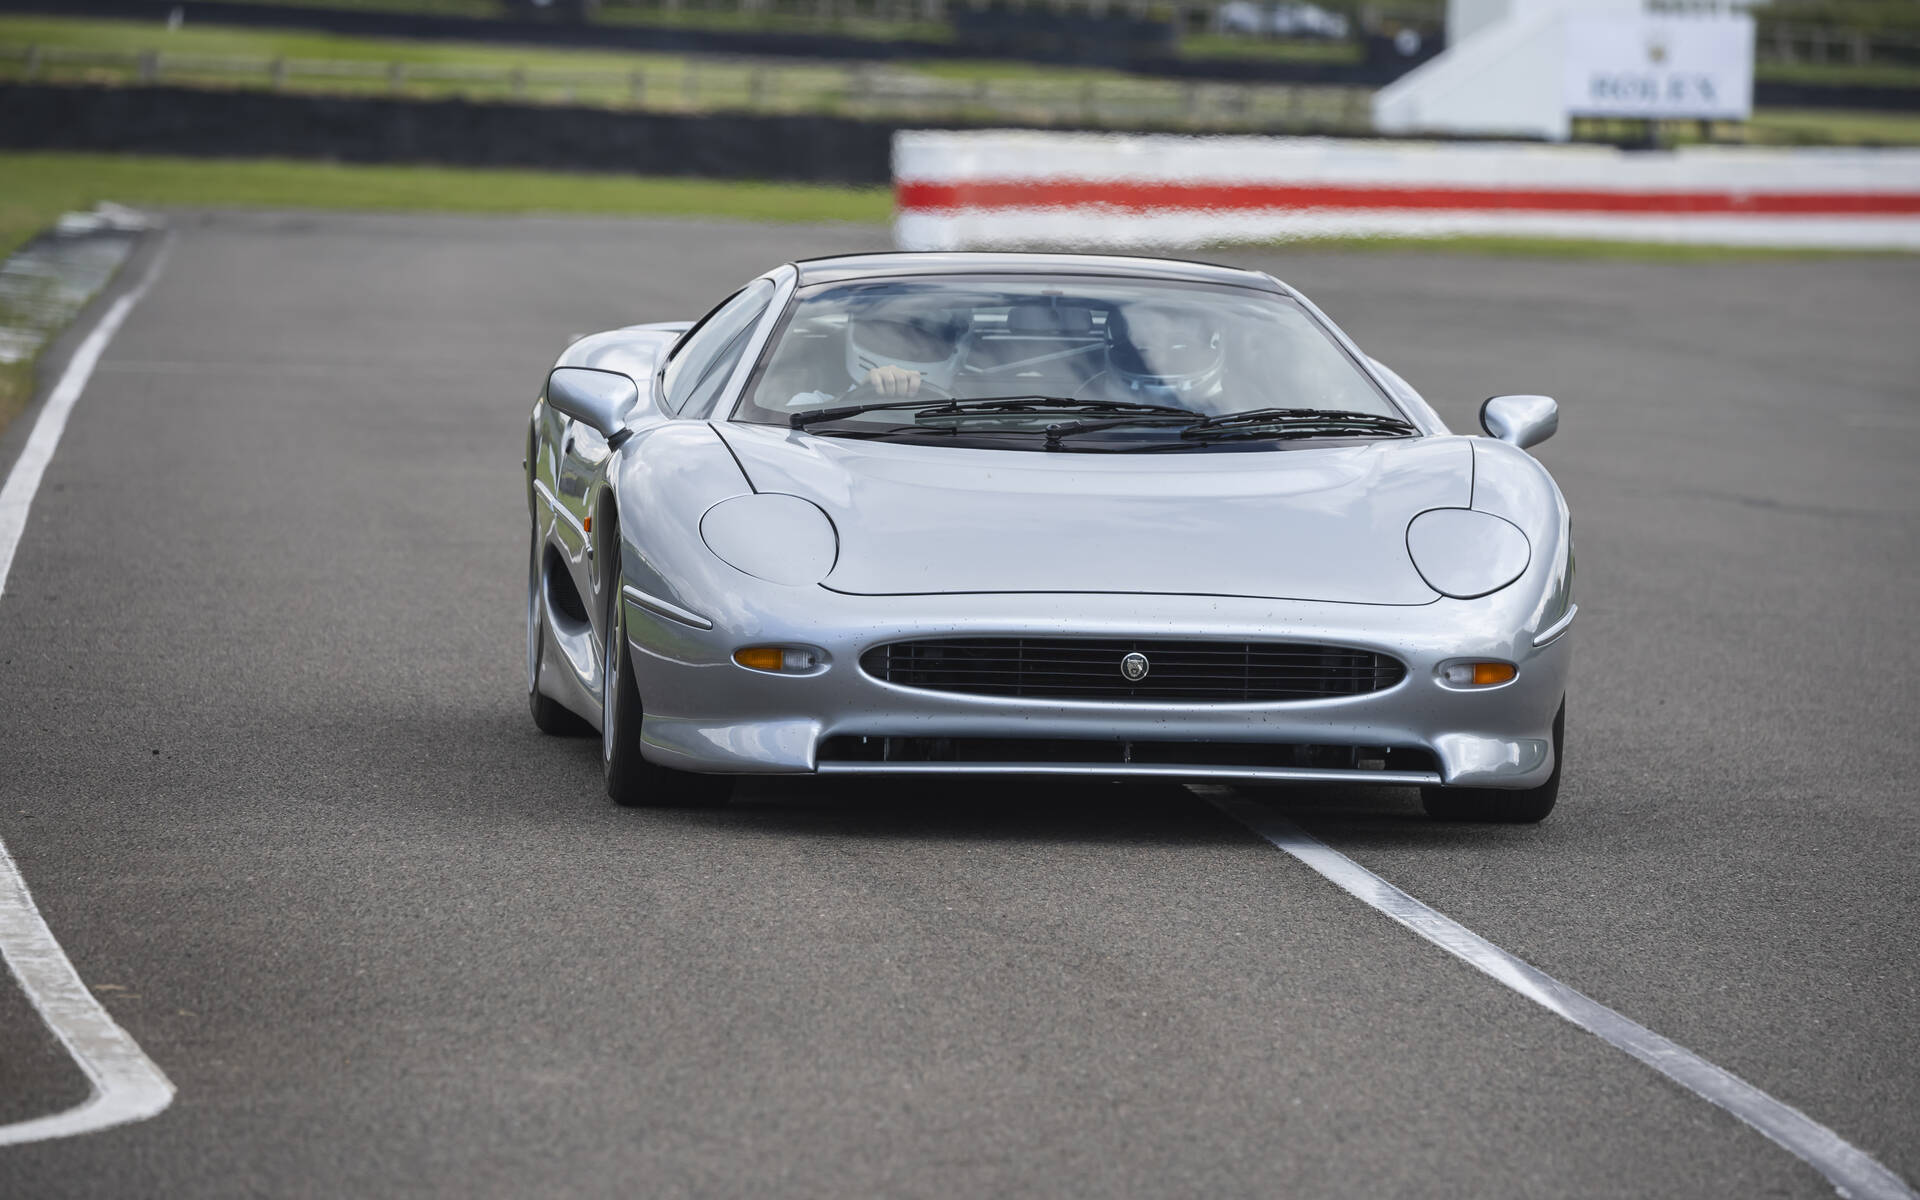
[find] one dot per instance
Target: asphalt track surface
(265, 762)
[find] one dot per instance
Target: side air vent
(565, 598)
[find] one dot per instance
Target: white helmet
(1165, 353)
(929, 342)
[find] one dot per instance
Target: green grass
(1304, 50)
(1835, 126)
(443, 8)
(606, 78)
(1868, 75)
(16, 388)
(607, 73)
(105, 53)
(39, 187)
(878, 29)
(1776, 127)
(973, 70)
(133, 37)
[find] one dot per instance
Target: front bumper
(705, 713)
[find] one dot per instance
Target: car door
(702, 359)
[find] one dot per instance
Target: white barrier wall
(958, 190)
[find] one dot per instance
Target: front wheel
(1526, 806)
(632, 781)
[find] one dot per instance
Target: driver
(896, 353)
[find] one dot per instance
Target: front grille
(1085, 669)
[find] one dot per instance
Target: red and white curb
(963, 190)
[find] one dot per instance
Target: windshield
(1136, 355)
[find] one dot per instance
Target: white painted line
(16, 497)
(126, 1084)
(1852, 1173)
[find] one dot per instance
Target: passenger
(1161, 355)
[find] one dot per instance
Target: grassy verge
(1831, 126)
(41, 186)
(873, 29)
(1773, 127)
(1305, 50)
(214, 41)
(69, 51)
(1841, 74)
(135, 37)
(1023, 93)
(1192, 45)
(16, 388)
(444, 8)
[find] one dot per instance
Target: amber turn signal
(794, 660)
(1476, 674)
(760, 658)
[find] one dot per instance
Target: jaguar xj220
(1021, 514)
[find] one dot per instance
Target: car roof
(845, 268)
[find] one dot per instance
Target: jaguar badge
(1134, 667)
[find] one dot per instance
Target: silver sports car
(999, 514)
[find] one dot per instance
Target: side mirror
(602, 400)
(1520, 420)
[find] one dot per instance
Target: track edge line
(1853, 1172)
(125, 1085)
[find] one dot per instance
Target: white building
(1528, 67)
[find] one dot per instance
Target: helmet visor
(920, 338)
(1158, 343)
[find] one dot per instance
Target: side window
(702, 363)
(722, 368)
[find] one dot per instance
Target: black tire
(549, 715)
(1499, 806)
(632, 781)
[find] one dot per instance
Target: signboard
(1628, 65)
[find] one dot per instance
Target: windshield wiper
(983, 404)
(1273, 423)
(1295, 422)
(1047, 404)
(1165, 417)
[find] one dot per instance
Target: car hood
(1321, 523)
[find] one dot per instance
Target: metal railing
(1782, 42)
(1778, 41)
(702, 84)
(1184, 14)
